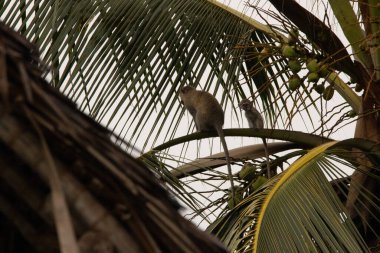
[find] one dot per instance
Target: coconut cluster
(297, 57)
(252, 178)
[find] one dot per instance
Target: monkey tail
(266, 156)
(228, 161)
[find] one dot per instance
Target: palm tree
(123, 62)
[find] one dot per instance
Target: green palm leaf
(123, 61)
(318, 220)
(299, 210)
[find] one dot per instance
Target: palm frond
(278, 134)
(239, 154)
(301, 209)
(349, 22)
(123, 61)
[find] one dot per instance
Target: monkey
(255, 121)
(208, 116)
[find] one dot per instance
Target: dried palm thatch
(60, 173)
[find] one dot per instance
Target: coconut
(288, 51)
(328, 93)
(294, 65)
(294, 82)
(312, 77)
(312, 65)
(319, 88)
(247, 172)
(238, 197)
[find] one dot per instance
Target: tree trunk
(358, 206)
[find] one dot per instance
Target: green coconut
(294, 82)
(238, 198)
(288, 51)
(312, 77)
(247, 172)
(312, 65)
(328, 93)
(294, 65)
(319, 88)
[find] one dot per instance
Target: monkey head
(185, 93)
(245, 105)
(186, 89)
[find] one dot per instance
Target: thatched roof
(48, 145)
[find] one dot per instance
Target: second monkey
(255, 121)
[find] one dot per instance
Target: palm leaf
(299, 139)
(240, 154)
(299, 210)
(351, 28)
(123, 61)
(314, 222)
(279, 134)
(112, 56)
